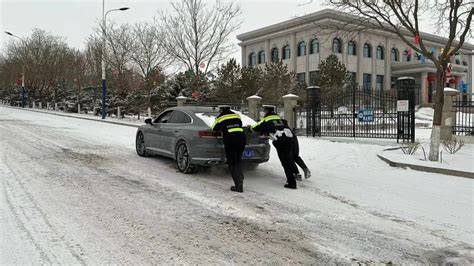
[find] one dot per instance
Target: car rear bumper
(217, 161)
(216, 156)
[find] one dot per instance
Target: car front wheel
(182, 159)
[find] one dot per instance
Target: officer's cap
(224, 107)
(269, 108)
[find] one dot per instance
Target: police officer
(297, 158)
(282, 137)
(230, 124)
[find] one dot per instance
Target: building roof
(329, 14)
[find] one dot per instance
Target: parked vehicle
(184, 134)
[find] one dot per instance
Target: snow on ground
(74, 191)
(424, 116)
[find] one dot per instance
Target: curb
(423, 168)
(72, 116)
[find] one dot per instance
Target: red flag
(417, 38)
(195, 94)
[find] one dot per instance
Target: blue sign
(366, 115)
(463, 87)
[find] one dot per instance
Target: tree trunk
(438, 116)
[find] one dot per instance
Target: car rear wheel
(140, 145)
(183, 160)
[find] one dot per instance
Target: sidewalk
(131, 122)
(458, 164)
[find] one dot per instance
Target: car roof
(197, 109)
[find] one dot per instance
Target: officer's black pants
(234, 147)
(296, 156)
(284, 147)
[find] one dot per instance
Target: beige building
(375, 58)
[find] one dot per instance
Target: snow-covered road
(74, 191)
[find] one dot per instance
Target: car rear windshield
(210, 117)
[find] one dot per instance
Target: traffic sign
(366, 115)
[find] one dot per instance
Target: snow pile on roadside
(210, 118)
(424, 117)
(425, 114)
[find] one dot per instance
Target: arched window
(252, 59)
(380, 52)
(407, 55)
(314, 48)
(336, 46)
(275, 56)
(286, 52)
(261, 57)
(351, 48)
(301, 49)
(367, 50)
(394, 56)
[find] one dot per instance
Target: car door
(155, 134)
(172, 129)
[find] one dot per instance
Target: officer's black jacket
(269, 124)
(228, 123)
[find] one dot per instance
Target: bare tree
(43, 56)
(119, 43)
(93, 57)
(402, 18)
(198, 34)
(149, 56)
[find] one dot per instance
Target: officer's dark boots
(237, 188)
(291, 186)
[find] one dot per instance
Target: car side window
(180, 118)
(164, 117)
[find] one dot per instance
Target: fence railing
(464, 107)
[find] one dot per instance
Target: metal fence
(464, 107)
(354, 112)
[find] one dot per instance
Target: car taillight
(209, 134)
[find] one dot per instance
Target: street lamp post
(22, 72)
(104, 83)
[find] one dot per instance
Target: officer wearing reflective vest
(282, 137)
(230, 124)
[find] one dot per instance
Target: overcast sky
(75, 19)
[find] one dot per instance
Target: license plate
(248, 153)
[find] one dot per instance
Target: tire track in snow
(35, 222)
(7, 192)
(29, 214)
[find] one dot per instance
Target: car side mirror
(148, 121)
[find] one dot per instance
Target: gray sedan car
(184, 134)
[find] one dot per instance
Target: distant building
(375, 58)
